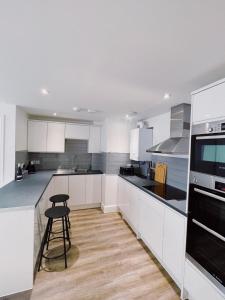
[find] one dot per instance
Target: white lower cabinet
(60, 184)
(174, 243)
(160, 227)
(151, 223)
(128, 204)
(197, 286)
(77, 190)
(109, 193)
(93, 187)
(85, 190)
(37, 232)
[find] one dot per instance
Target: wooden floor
(106, 262)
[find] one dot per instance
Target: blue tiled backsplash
(76, 155)
(176, 172)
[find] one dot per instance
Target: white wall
(161, 127)
(116, 135)
(8, 113)
(21, 129)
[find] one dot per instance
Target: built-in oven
(208, 148)
(206, 224)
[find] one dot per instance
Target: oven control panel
(216, 127)
(209, 127)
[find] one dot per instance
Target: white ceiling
(115, 56)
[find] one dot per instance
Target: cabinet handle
(211, 137)
(219, 236)
(209, 194)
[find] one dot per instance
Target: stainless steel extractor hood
(178, 143)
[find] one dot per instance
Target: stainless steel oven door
(208, 154)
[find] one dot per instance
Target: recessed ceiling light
(44, 91)
(131, 115)
(76, 108)
(91, 111)
(166, 96)
(54, 114)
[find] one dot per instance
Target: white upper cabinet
(56, 137)
(209, 103)
(46, 136)
(140, 140)
(37, 136)
(77, 131)
(94, 143)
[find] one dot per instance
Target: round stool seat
(59, 198)
(57, 212)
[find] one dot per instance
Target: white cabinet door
(37, 136)
(77, 188)
(93, 188)
(174, 243)
(76, 131)
(94, 143)
(121, 196)
(133, 207)
(140, 140)
(56, 137)
(37, 233)
(209, 104)
(151, 223)
(134, 144)
(60, 185)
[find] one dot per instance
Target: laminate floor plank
(105, 262)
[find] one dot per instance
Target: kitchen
(111, 188)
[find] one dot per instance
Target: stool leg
(67, 232)
(68, 221)
(43, 244)
(67, 217)
(64, 241)
(49, 232)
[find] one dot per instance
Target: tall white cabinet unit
(208, 103)
(140, 140)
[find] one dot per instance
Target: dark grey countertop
(177, 204)
(60, 172)
(26, 193)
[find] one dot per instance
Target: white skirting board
(84, 206)
(109, 208)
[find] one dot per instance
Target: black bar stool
(55, 213)
(60, 198)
